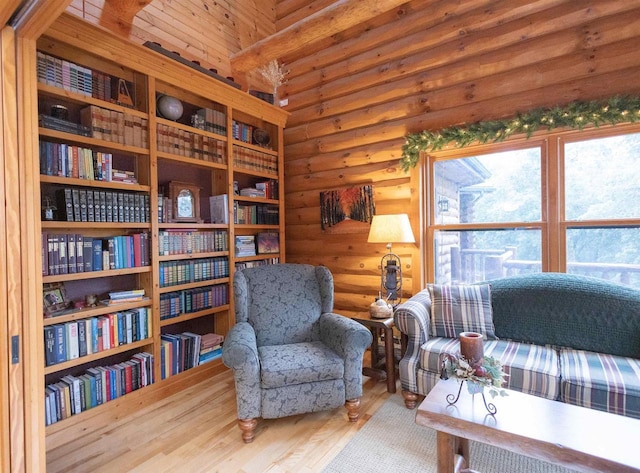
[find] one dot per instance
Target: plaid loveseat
(558, 336)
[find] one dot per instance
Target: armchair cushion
(306, 362)
(456, 309)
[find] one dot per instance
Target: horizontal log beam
(338, 17)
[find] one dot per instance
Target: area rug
(391, 442)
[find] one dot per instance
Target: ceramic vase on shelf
(471, 346)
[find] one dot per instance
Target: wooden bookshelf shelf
(95, 274)
(100, 309)
(193, 315)
(70, 181)
(97, 356)
(192, 285)
(189, 256)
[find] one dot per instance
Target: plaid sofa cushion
(599, 381)
(456, 309)
(532, 369)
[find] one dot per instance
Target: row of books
(211, 120)
(191, 145)
(270, 188)
(256, 214)
(252, 264)
(245, 245)
(172, 273)
(174, 304)
(254, 160)
(242, 131)
(78, 338)
(68, 253)
(82, 80)
(72, 395)
(183, 351)
(61, 159)
(116, 127)
(184, 242)
(92, 205)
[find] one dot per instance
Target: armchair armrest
(349, 339)
(240, 353)
(413, 318)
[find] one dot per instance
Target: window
(564, 202)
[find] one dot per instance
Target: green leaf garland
(576, 115)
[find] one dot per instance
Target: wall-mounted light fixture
(443, 204)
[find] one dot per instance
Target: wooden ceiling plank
(341, 15)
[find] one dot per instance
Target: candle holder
(473, 388)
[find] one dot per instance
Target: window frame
(553, 224)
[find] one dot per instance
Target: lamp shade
(391, 229)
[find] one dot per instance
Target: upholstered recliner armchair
(289, 353)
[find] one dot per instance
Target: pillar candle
(471, 346)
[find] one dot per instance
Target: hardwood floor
(196, 431)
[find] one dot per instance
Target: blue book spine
(97, 255)
(61, 343)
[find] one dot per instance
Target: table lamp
(391, 229)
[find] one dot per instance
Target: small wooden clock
(185, 199)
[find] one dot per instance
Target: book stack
(58, 124)
(245, 245)
(114, 126)
(119, 297)
(210, 347)
(252, 192)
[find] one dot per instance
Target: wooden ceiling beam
(333, 19)
(124, 10)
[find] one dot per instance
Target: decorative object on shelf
(391, 229)
(122, 92)
(60, 111)
(54, 298)
(185, 199)
(380, 309)
(275, 75)
(261, 137)
(470, 366)
(48, 209)
(348, 210)
(575, 115)
(91, 300)
(170, 107)
(268, 243)
(176, 57)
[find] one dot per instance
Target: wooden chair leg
(247, 426)
(410, 399)
(353, 409)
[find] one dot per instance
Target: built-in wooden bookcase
(111, 169)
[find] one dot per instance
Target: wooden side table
(380, 369)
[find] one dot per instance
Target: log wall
(428, 65)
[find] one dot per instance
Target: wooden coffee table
(575, 437)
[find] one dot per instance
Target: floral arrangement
(575, 115)
(487, 372)
(274, 74)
